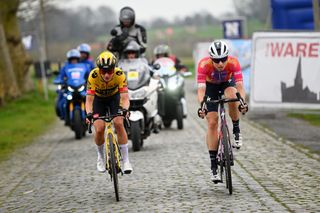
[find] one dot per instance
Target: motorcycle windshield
(167, 67)
(137, 72)
(75, 77)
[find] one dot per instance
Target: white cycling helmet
(218, 49)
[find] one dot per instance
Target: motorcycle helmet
(127, 14)
(134, 47)
(85, 48)
(73, 54)
(161, 50)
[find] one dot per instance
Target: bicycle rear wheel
(227, 160)
(113, 166)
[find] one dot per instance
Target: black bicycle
(113, 154)
(225, 154)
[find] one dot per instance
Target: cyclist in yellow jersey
(107, 88)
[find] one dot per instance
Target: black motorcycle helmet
(127, 14)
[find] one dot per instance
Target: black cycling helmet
(127, 14)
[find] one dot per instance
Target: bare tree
(258, 9)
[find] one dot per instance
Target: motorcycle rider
(132, 51)
(126, 31)
(107, 87)
(71, 70)
(85, 58)
(163, 50)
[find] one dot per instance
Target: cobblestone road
(171, 174)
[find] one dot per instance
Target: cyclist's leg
(121, 134)
(212, 90)
(230, 92)
(99, 109)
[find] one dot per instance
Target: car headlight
(139, 94)
(81, 88)
(70, 89)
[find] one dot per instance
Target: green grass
(23, 120)
(313, 119)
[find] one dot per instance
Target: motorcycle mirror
(156, 66)
(187, 74)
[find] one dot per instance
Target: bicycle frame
(109, 130)
(113, 154)
(223, 123)
(225, 154)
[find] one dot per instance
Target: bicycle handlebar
(106, 118)
(207, 99)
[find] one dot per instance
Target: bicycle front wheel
(226, 153)
(113, 165)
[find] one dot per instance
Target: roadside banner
(285, 71)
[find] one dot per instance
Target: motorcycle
(172, 103)
(142, 89)
(72, 106)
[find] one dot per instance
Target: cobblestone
(171, 174)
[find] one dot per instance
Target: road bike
(225, 154)
(113, 154)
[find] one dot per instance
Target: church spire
(298, 80)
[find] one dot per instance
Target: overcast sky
(169, 9)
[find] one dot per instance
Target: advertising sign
(285, 70)
(234, 28)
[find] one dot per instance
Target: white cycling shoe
(237, 142)
(215, 176)
(127, 168)
(101, 165)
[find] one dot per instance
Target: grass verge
(313, 119)
(23, 120)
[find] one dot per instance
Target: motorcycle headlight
(70, 89)
(69, 97)
(172, 85)
(81, 88)
(139, 94)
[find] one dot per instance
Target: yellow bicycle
(113, 154)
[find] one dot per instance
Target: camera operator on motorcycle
(107, 87)
(125, 32)
(85, 58)
(219, 72)
(73, 70)
(163, 50)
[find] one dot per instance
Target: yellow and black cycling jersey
(97, 86)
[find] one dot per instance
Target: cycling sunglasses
(217, 60)
(107, 70)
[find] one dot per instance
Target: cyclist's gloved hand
(202, 113)
(243, 108)
(126, 113)
(89, 117)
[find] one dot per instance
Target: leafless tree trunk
(8, 82)
(14, 62)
